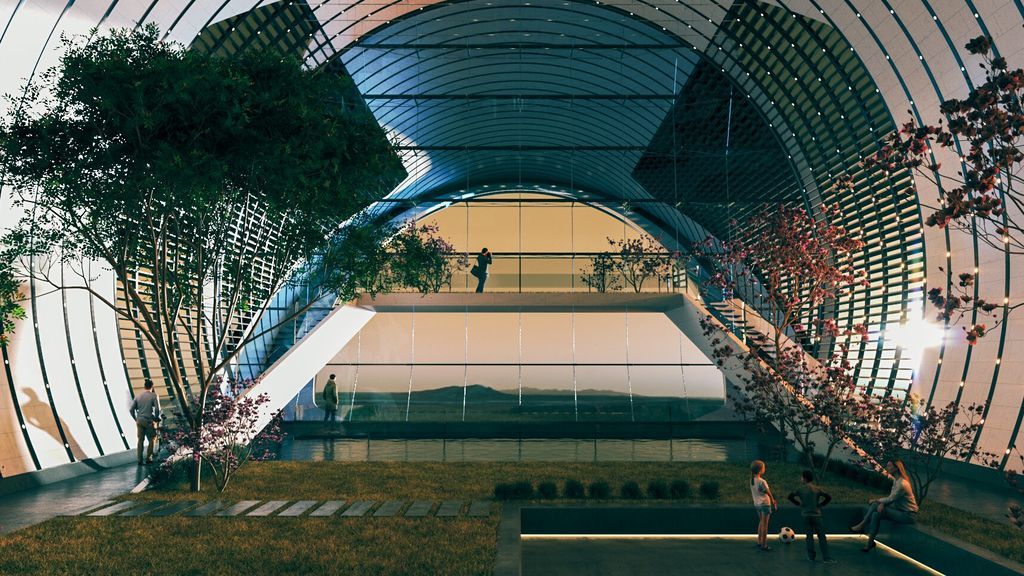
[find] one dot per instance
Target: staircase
(295, 329)
(734, 315)
(316, 337)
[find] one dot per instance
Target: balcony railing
(556, 272)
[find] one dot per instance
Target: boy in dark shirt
(812, 499)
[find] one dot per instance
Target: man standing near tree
(330, 400)
(146, 411)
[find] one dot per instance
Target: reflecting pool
(516, 450)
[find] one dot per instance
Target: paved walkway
(36, 505)
(291, 509)
(981, 499)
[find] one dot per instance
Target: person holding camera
(146, 411)
(483, 260)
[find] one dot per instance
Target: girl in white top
(764, 502)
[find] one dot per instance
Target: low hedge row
(856, 472)
(601, 490)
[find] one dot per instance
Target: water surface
(514, 450)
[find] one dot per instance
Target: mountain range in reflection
(486, 403)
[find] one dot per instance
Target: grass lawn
(384, 546)
(230, 546)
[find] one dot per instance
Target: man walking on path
(146, 411)
(330, 400)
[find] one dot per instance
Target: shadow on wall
(34, 407)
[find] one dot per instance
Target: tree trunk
(785, 440)
(809, 457)
(195, 476)
(827, 459)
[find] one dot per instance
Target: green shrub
(503, 491)
(169, 473)
(522, 490)
(631, 491)
(547, 490)
(680, 489)
(838, 467)
(574, 489)
(657, 489)
(600, 490)
(710, 489)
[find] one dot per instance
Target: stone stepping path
(268, 508)
(358, 508)
(329, 507)
(288, 509)
(176, 508)
(115, 509)
(206, 509)
(419, 509)
(389, 509)
(298, 508)
(450, 508)
(480, 508)
(145, 508)
(236, 509)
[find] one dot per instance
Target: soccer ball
(786, 535)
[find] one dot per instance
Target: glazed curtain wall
(529, 367)
(912, 50)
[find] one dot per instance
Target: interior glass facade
(522, 366)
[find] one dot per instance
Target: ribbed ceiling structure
(521, 105)
(686, 113)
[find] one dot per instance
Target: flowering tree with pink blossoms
(925, 438)
(799, 264)
(982, 196)
(228, 438)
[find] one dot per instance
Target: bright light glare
(917, 334)
(914, 338)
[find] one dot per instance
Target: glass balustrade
(562, 272)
